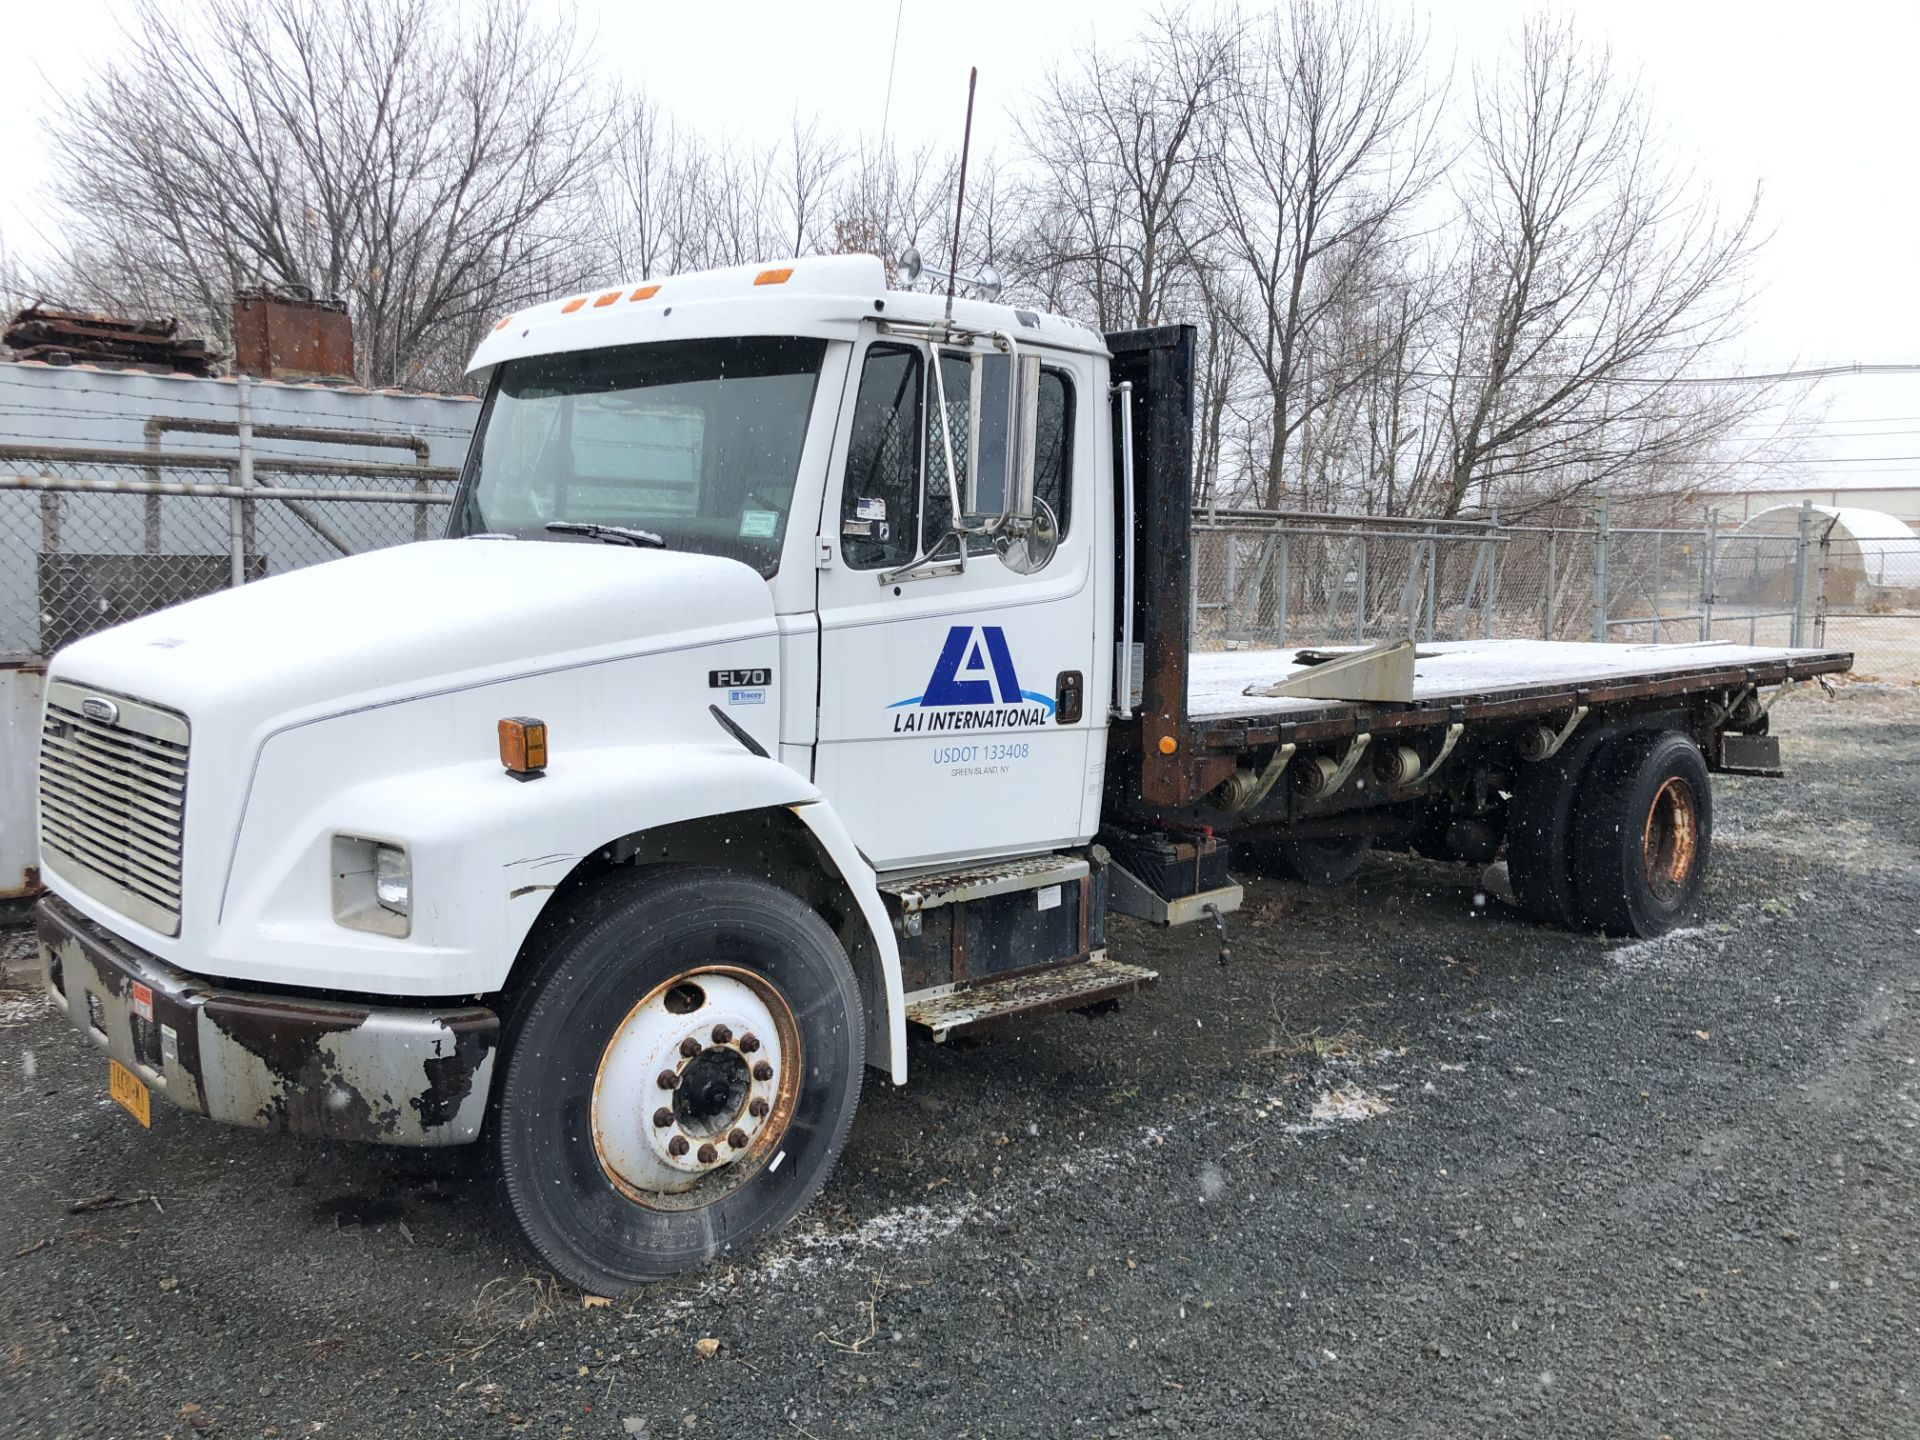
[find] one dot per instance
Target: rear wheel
(1643, 833)
(1540, 828)
(1313, 862)
(680, 1074)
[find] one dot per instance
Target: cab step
(1086, 982)
(930, 889)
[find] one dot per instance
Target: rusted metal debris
(67, 337)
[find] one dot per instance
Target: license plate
(130, 1093)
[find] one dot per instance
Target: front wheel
(680, 1074)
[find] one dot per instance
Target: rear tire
(1540, 828)
(1312, 862)
(1642, 835)
(614, 1178)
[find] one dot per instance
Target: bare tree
(1326, 137)
(418, 165)
(13, 282)
(1118, 146)
(1592, 282)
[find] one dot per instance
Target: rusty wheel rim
(1670, 842)
(696, 1087)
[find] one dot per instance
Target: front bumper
(299, 1063)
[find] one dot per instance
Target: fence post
(1280, 537)
(1193, 592)
(1802, 535)
(1602, 545)
(1433, 565)
(1486, 599)
(1709, 565)
(1659, 581)
(241, 511)
(1553, 582)
(1820, 590)
(1360, 598)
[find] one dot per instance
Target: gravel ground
(1409, 1166)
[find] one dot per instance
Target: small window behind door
(1053, 448)
(880, 499)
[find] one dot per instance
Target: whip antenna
(960, 199)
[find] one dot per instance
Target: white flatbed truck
(773, 691)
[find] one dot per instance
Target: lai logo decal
(973, 687)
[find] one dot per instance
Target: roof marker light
(573, 304)
(606, 299)
(774, 277)
(645, 292)
(505, 320)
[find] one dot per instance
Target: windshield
(696, 441)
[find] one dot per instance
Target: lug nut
(749, 1043)
(689, 1047)
(763, 1071)
(738, 1139)
(757, 1109)
(721, 1034)
(677, 1145)
(669, 1079)
(706, 1154)
(663, 1117)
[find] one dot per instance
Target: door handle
(1069, 697)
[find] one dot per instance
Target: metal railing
(93, 536)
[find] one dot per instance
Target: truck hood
(415, 620)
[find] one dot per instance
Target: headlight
(372, 885)
(392, 879)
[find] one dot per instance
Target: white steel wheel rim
(696, 1087)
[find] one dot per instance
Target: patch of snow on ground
(903, 1228)
(1346, 1107)
(1660, 951)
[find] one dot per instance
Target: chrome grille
(113, 796)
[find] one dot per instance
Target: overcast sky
(1812, 102)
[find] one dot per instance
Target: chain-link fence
(93, 537)
(1276, 579)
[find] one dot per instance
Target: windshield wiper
(612, 534)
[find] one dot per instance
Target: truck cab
(804, 659)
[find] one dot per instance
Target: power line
(1823, 372)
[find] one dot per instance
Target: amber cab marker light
(523, 746)
(645, 292)
(1168, 744)
(774, 277)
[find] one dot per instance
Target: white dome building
(1868, 555)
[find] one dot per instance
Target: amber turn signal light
(523, 746)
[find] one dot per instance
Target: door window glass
(880, 499)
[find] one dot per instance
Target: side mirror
(1004, 403)
(1026, 430)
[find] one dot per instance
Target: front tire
(681, 1073)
